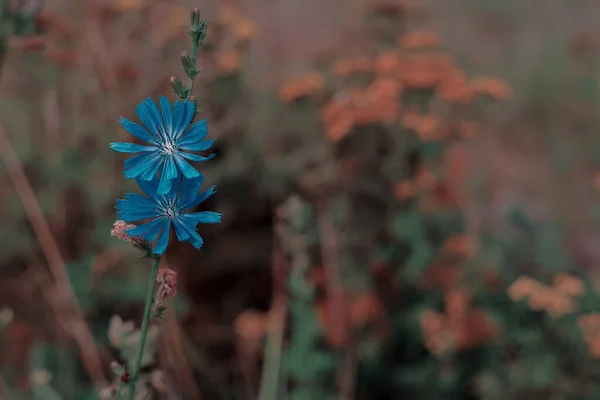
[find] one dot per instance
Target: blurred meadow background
(409, 193)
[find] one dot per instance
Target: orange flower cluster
(228, 62)
(427, 127)
(461, 327)
(398, 71)
(235, 30)
(419, 40)
(557, 300)
(492, 87)
(303, 86)
(377, 103)
(590, 329)
(351, 66)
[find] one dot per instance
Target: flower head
(171, 140)
(166, 209)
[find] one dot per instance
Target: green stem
(193, 51)
(144, 329)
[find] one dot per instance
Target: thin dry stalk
(79, 329)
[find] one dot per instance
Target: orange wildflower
(303, 86)
(388, 64)
(569, 285)
(492, 87)
(228, 62)
(419, 40)
(244, 29)
(428, 128)
(455, 88)
(350, 66)
(341, 127)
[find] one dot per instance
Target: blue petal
(189, 191)
(169, 173)
(197, 146)
(149, 188)
(156, 161)
(167, 114)
(188, 226)
(181, 234)
(195, 157)
(131, 147)
(163, 239)
(137, 130)
(197, 132)
(186, 112)
(152, 234)
(137, 165)
(199, 198)
(132, 216)
(205, 217)
(185, 168)
(139, 202)
(144, 229)
(148, 113)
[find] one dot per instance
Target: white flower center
(171, 213)
(170, 148)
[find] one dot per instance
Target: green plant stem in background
(144, 329)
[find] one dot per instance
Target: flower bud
(178, 87)
(189, 65)
(195, 20)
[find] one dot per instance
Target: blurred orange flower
(303, 86)
(350, 66)
(228, 62)
(492, 87)
(244, 29)
(419, 40)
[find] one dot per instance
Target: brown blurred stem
(79, 329)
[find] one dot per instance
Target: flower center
(169, 148)
(171, 212)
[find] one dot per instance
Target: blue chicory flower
(166, 209)
(171, 140)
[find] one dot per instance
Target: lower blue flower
(167, 209)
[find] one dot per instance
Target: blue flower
(170, 142)
(166, 209)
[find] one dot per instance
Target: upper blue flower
(170, 142)
(167, 209)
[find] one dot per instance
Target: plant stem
(193, 51)
(144, 329)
